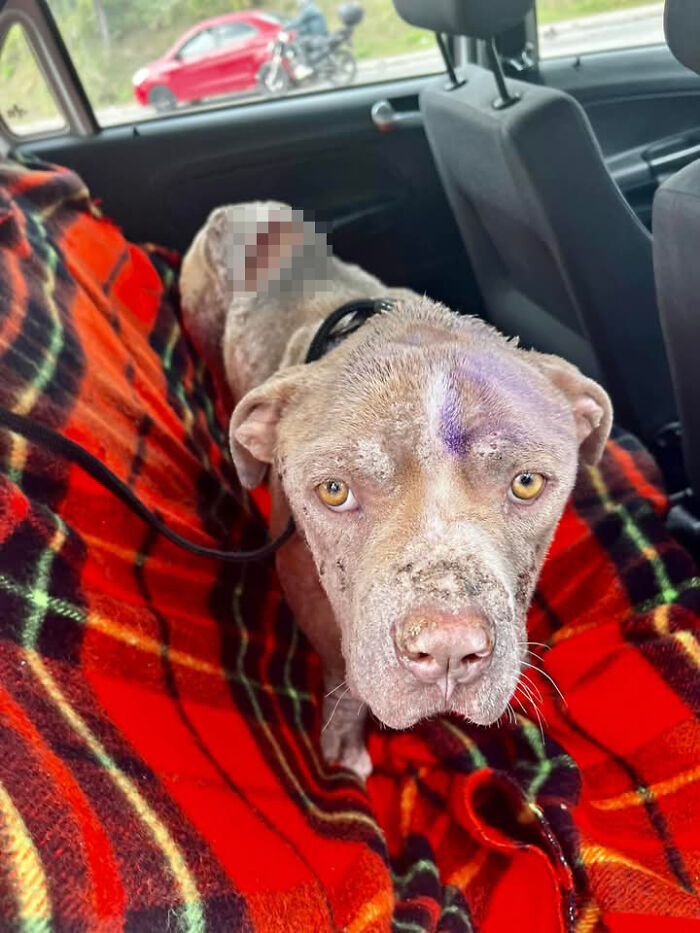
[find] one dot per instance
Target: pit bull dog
(426, 460)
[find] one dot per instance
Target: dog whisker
(337, 704)
(331, 692)
(534, 654)
(536, 711)
(527, 693)
(534, 708)
(549, 678)
(533, 686)
(539, 720)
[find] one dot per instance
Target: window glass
(576, 27)
(26, 103)
(230, 33)
(200, 44)
(269, 17)
(125, 51)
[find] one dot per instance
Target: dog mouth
(414, 651)
(482, 698)
(401, 687)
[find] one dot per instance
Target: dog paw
(348, 751)
(356, 759)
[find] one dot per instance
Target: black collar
(330, 334)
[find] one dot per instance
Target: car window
(122, 52)
(269, 18)
(27, 106)
(230, 33)
(577, 27)
(200, 44)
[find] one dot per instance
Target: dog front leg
(343, 730)
(343, 727)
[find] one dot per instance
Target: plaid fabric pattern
(160, 713)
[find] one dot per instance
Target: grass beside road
(554, 11)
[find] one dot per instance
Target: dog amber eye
(336, 494)
(528, 486)
(333, 493)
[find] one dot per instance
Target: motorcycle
(295, 62)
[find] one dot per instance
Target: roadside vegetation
(554, 11)
(110, 39)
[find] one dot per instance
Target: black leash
(324, 340)
(62, 446)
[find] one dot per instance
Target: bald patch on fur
(372, 457)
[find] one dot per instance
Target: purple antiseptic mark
(453, 435)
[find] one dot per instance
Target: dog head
(426, 461)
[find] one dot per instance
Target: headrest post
(505, 98)
(447, 58)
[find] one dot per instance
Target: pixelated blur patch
(272, 249)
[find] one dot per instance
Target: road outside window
(578, 27)
(138, 59)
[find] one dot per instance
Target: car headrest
(480, 19)
(682, 25)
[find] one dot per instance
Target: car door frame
(57, 67)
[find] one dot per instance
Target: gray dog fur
(427, 416)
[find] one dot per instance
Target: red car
(217, 56)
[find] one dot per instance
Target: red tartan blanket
(159, 713)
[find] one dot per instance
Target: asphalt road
(638, 26)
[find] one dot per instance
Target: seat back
(676, 243)
(676, 249)
(561, 258)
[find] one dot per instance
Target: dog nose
(435, 645)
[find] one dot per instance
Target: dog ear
(254, 424)
(590, 404)
(258, 246)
